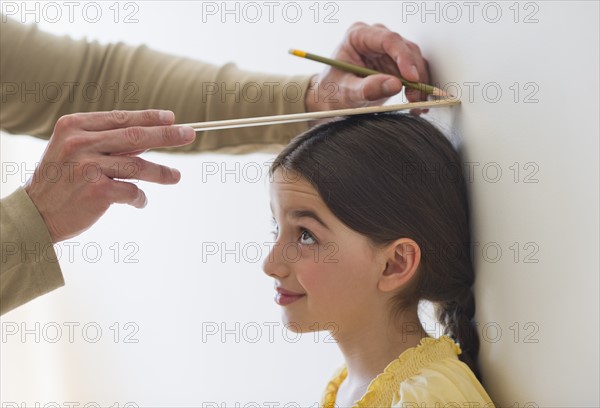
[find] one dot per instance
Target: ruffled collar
(381, 390)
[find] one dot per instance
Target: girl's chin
(296, 325)
(299, 325)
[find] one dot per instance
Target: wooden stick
(304, 117)
(362, 71)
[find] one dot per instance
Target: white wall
(537, 301)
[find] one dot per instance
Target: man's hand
(77, 179)
(373, 47)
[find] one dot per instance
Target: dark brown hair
(389, 176)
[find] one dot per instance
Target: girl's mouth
(284, 297)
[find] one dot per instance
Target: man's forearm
(89, 76)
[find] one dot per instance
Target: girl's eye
(307, 235)
(306, 238)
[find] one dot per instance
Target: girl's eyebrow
(299, 213)
(309, 214)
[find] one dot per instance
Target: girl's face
(326, 274)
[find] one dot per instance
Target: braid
(457, 317)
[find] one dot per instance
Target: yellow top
(429, 375)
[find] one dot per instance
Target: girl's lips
(284, 300)
(284, 297)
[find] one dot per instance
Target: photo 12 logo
(270, 11)
(70, 11)
(55, 404)
(68, 332)
(452, 12)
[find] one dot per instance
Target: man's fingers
(414, 95)
(422, 63)
(376, 40)
(118, 119)
(123, 167)
(136, 153)
(136, 138)
(418, 112)
(126, 193)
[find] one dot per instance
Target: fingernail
(187, 133)
(175, 174)
(166, 116)
(414, 72)
(144, 201)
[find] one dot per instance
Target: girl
(376, 210)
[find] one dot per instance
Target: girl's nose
(274, 264)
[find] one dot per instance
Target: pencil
(362, 71)
(308, 116)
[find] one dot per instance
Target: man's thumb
(377, 87)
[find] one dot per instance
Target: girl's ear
(403, 258)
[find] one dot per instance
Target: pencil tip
(439, 92)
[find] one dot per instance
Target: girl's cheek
(326, 253)
(315, 276)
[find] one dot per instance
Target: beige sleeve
(29, 266)
(45, 77)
